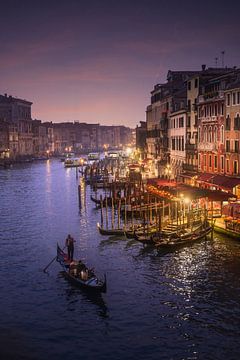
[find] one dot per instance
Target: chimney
(5, 94)
(203, 67)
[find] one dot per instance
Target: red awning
(205, 177)
(226, 182)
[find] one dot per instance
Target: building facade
(232, 128)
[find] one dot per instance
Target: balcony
(190, 147)
(190, 167)
(210, 96)
(155, 133)
(207, 146)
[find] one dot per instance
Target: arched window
(215, 134)
(205, 134)
(210, 134)
(222, 134)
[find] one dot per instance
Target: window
(205, 134)
(238, 97)
(199, 134)
(205, 159)
(189, 105)
(228, 99)
(227, 145)
(199, 160)
(181, 122)
(215, 134)
(210, 134)
(189, 85)
(222, 134)
(228, 123)
(173, 143)
(227, 166)
(222, 163)
(210, 161)
(196, 83)
(236, 146)
(235, 167)
(234, 98)
(215, 161)
(188, 121)
(237, 123)
(182, 143)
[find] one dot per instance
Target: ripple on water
(180, 305)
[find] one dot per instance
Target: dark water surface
(183, 305)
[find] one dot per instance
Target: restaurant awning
(205, 177)
(222, 181)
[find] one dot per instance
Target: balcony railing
(213, 95)
(190, 167)
(207, 146)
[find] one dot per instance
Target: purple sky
(97, 61)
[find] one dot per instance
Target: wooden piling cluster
(126, 202)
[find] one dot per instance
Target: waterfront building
(165, 99)
(232, 127)
(17, 113)
(4, 140)
(195, 88)
(177, 141)
(211, 125)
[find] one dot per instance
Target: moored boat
(79, 275)
(68, 163)
(167, 243)
(109, 232)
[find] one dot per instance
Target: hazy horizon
(98, 62)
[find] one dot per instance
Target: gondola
(79, 275)
(110, 232)
(168, 243)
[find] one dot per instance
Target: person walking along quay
(70, 246)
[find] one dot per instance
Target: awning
(230, 183)
(205, 177)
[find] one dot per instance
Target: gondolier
(70, 246)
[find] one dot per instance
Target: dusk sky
(97, 61)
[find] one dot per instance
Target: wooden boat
(98, 201)
(185, 239)
(110, 232)
(79, 275)
(69, 163)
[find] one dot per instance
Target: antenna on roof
(223, 53)
(216, 62)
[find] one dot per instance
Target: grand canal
(183, 305)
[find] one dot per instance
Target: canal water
(181, 305)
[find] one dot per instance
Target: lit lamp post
(168, 172)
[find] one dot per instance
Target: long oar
(44, 270)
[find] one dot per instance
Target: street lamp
(168, 171)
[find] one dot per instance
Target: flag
(61, 256)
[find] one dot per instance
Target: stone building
(232, 127)
(195, 88)
(211, 125)
(17, 113)
(165, 99)
(4, 139)
(177, 143)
